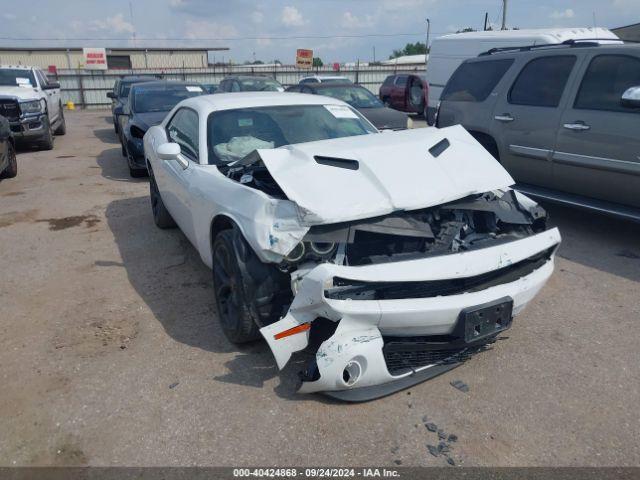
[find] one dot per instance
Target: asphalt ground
(111, 353)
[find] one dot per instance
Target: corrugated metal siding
(59, 58)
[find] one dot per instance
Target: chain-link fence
(88, 88)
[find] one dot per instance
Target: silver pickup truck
(564, 119)
(32, 105)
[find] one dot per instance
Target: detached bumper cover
(353, 357)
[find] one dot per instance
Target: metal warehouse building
(117, 58)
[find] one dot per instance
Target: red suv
(407, 92)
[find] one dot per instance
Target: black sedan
(148, 104)
(120, 94)
(361, 99)
(8, 162)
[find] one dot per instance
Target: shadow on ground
(168, 274)
(106, 135)
(114, 166)
(598, 241)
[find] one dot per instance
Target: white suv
(32, 105)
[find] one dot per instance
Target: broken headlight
(314, 251)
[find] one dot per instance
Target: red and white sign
(304, 58)
(95, 58)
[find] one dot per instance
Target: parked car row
(139, 102)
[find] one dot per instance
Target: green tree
(465, 30)
(317, 62)
(417, 48)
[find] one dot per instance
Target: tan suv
(564, 120)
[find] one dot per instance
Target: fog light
(351, 373)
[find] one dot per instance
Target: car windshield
(162, 98)
(17, 77)
(125, 87)
(357, 97)
(233, 134)
(259, 85)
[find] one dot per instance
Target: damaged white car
(391, 257)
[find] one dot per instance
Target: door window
(183, 130)
(474, 81)
(401, 80)
(42, 79)
(542, 81)
(604, 82)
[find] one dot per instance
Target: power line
(218, 39)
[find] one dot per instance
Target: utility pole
(132, 23)
(504, 15)
(486, 20)
(426, 49)
(374, 54)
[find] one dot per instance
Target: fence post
(81, 86)
(357, 71)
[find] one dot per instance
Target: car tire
(12, 169)
(137, 172)
(161, 216)
(237, 311)
(62, 127)
(115, 126)
(46, 143)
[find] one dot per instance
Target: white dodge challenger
(390, 257)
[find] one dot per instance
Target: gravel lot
(111, 353)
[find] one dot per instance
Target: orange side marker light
(292, 331)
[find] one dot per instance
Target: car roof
(168, 83)
(229, 101)
(322, 86)
(580, 45)
(262, 77)
(324, 76)
(137, 78)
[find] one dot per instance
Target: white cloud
(195, 29)
(557, 15)
(291, 17)
(114, 25)
(256, 16)
(349, 20)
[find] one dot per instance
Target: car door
(182, 129)
(526, 117)
(398, 92)
(597, 152)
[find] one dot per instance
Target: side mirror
(110, 95)
(51, 86)
(631, 98)
(168, 151)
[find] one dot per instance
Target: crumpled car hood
(394, 171)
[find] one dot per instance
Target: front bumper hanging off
(409, 326)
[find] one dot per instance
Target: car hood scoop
(369, 175)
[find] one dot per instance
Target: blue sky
(342, 30)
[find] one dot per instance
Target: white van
(449, 51)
